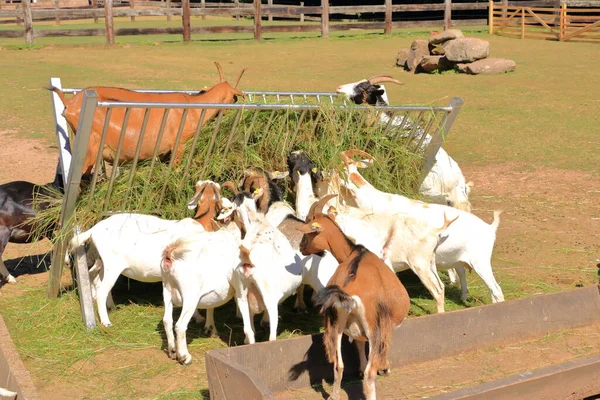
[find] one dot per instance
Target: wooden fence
(109, 9)
(564, 24)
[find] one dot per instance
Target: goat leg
(4, 236)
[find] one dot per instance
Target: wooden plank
(108, 20)
(270, 14)
(27, 21)
(291, 28)
(203, 5)
(168, 10)
(325, 10)
(508, 19)
(388, 17)
(355, 9)
(186, 20)
(448, 14)
(491, 17)
(570, 35)
(257, 20)
(57, 7)
(132, 5)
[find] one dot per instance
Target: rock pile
(449, 50)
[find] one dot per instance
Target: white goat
(445, 183)
(197, 272)
(470, 241)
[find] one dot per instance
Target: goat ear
(310, 227)
(278, 174)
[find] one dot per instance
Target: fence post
(325, 19)
(132, 6)
(563, 21)
(302, 14)
(270, 15)
(257, 20)
(28, 21)
(95, 6)
(108, 16)
(523, 23)
(504, 8)
(237, 6)
(185, 19)
(491, 17)
(203, 6)
(168, 10)
(388, 17)
(448, 14)
(57, 8)
(18, 19)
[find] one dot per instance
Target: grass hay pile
(228, 145)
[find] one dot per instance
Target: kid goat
(363, 299)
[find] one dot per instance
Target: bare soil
(548, 240)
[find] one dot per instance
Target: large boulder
(434, 63)
(465, 50)
(401, 58)
(418, 50)
(445, 36)
(488, 66)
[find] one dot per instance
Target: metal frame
(415, 129)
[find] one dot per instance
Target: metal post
(439, 136)
(84, 287)
(73, 181)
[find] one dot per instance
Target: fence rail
(25, 14)
(550, 23)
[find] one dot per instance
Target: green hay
(231, 143)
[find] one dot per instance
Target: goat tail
(381, 337)
(60, 94)
(172, 252)
(496, 221)
(75, 242)
(331, 299)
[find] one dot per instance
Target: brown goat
(207, 202)
(221, 93)
(363, 298)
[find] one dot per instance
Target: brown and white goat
(221, 93)
(363, 299)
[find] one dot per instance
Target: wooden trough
(13, 375)
(261, 370)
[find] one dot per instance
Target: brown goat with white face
(363, 299)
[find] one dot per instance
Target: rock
(401, 58)
(490, 66)
(445, 36)
(435, 63)
(461, 67)
(418, 50)
(467, 49)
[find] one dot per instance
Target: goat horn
(383, 78)
(318, 206)
(231, 186)
(221, 76)
(239, 77)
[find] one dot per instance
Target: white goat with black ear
(470, 241)
(445, 183)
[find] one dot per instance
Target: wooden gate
(572, 24)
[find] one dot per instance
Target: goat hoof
(171, 354)
(11, 279)
(185, 359)
(106, 325)
(384, 372)
(211, 332)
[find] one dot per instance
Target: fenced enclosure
(563, 24)
(300, 18)
(259, 132)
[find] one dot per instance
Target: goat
(221, 93)
(16, 208)
(470, 241)
(399, 239)
(363, 299)
(197, 272)
(272, 267)
(445, 183)
(132, 245)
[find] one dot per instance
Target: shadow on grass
(29, 265)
